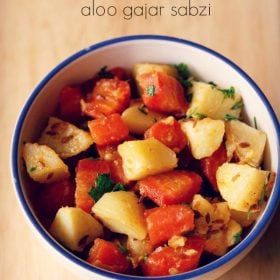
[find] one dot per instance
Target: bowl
(204, 63)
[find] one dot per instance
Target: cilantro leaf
(104, 73)
(237, 237)
(237, 105)
(104, 184)
(255, 123)
(151, 90)
(123, 249)
(229, 117)
(263, 193)
(183, 70)
(212, 83)
(32, 169)
(228, 93)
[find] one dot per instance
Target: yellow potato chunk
(245, 142)
(142, 158)
(212, 102)
(43, 164)
(75, 228)
(205, 136)
(233, 232)
(241, 185)
(65, 138)
(139, 118)
(121, 212)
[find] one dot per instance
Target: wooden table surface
(36, 35)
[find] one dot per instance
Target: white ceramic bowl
(125, 51)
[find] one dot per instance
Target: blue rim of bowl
(250, 238)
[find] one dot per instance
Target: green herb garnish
(123, 249)
(212, 83)
(143, 109)
(228, 93)
(184, 74)
(104, 184)
(119, 187)
(248, 214)
(237, 105)
(229, 117)
(263, 193)
(151, 90)
(255, 123)
(195, 114)
(104, 73)
(237, 237)
(32, 169)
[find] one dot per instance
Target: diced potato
(241, 185)
(75, 228)
(216, 243)
(143, 68)
(212, 102)
(233, 232)
(121, 212)
(245, 219)
(221, 215)
(139, 118)
(245, 142)
(142, 158)
(43, 164)
(65, 138)
(204, 212)
(205, 136)
(138, 249)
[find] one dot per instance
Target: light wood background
(36, 35)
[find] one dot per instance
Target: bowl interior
(203, 64)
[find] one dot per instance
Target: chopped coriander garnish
(229, 117)
(237, 105)
(32, 169)
(212, 83)
(183, 70)
(228, 93)
(263, 193)
(123, 249)
(237, 237)
(184, 74)
(255, 123)
(143, 109)
(119, 187)
(151, 90)
(104, 73)
(104, 184)
(196, 115)
(248, 214)
(189, 97)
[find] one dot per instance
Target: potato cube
(139, 118)
(212, 102)
(241, 185)
(121, 212)
(142, 158)
(43, 164)
(245, 142)
(75, 228)
(65, 138)
(205, 136)
(233, 232)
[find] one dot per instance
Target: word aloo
(145, 11)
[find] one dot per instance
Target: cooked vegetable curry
(149, 171)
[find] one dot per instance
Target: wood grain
(36, 35)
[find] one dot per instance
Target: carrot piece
(163, 93)
(168, 261)
(108, 96)
(169, 132)
(87, 171)
(211, 164)
(165, 221)
(53, 196)
(173, 187)
(69, 103)
(107, 255)
(108, 130)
